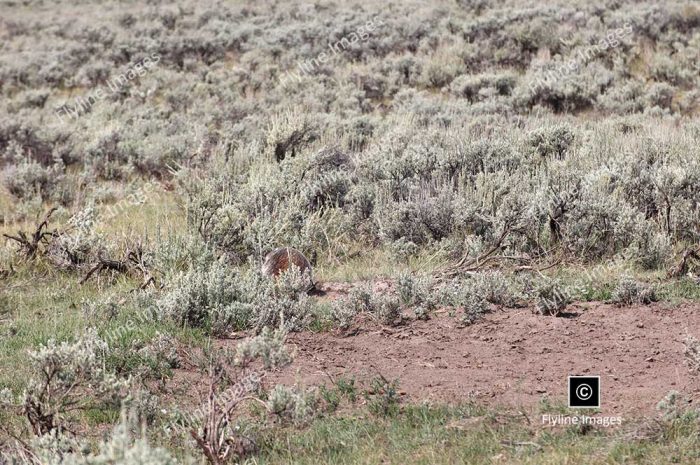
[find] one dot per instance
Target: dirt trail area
(515, 358)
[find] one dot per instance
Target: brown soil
(514, 358)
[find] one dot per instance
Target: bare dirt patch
(515, 358)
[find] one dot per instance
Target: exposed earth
(512, 358)
(516, 358)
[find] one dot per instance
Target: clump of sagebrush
(67, 378)
(145, 360)
(483, 86)
(460, 294)
(127, 444)
(293, 404)
(175, 253)
(25, 178)
(284, 301)
(242, 216)
(551, 141)
(101, 309)
(416, 221)
(221, 299)
(344, 309)
(216, 297)
(692, 353)
(268, 347)
(387, 308)
(675, 406)
(551, 297)
(403, 249)
(415, 291)
(288, 133)
(475, 307)
(560, 95)
(342, 313)
(162, 349)
(232, 381)
(494, 287)
(678, 415)
(327, 177)
(476, 293)
(650, 250)
(80, 243)
(421, 313)
(628, 291)
(360, 298)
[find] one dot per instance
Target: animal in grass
(279, 260)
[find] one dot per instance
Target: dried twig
(133, 260)
(462, 263)
(521, 444)
(465, 266)
(211, 438)
(106, 264)
(23, 447)
(30, 243)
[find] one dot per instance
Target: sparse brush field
(492, 195)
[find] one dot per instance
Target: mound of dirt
(514, 358)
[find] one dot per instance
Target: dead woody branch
(133, 261)
(30, 243)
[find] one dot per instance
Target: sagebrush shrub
(406, 221)
(175, 253)
(494, 288)
(360, 298)
(475, 294)
(402, 249)
(268, 346)
(415, 290)
(327, 178)
(552, 297)
(62, 373)
(692, 353)
(483, 86)
(288, 133)
(552, 141)
(212, 297)
(221, 299)
(628, 291)
(292, 404)
(421, 313)
(342, 312)
(27, 178)
(474, 308)
(80, 245)
(158, 357)
(232, 381)
(675, 406)
(387, 308)
(283, 302)
(127, 444)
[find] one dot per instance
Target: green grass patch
(469, 434)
